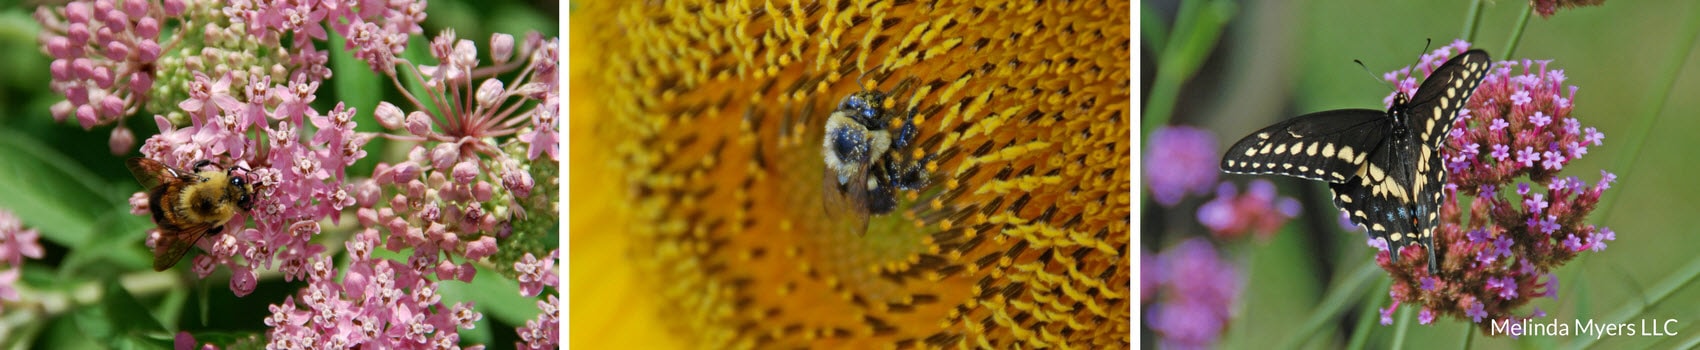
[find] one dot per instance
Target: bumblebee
(188, 205)
(866, 161)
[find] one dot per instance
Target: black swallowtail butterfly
(1384, 167)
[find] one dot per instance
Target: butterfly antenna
(1372, 76)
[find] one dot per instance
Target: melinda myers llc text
(1643, 327)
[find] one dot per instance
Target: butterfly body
(1383, 167)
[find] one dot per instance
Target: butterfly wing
(1444, 93)
(1327, 146)
(1377, 199)
(1431, 115)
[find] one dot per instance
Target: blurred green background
(65, 182)
(1632, 62)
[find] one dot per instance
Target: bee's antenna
(859, 83)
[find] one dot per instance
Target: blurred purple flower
(1192, 312)
(1180, 160)
(1259, 210)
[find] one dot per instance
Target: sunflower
(697, 174)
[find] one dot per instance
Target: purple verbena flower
(1523, 114)
(1193, 311)
(1180, 161)
(1259, 210)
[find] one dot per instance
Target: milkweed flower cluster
(16, 243)
(1196, 290)
(1508, 218)
(236, 83)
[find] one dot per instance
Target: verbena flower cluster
(236, 82)
(1508, 218)
(1181, 161)
(1196, 291)
(1259, 210)
(16, 243)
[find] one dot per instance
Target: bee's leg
(905, 133)
(882, 196)
(215, 230)
(200, 164)
(912, 176)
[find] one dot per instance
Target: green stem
(1473, 20)
(1151, 28)
(1368, 317)
(1626, 159)
(1402, 328)
(1469, 334)
(1517, 32)
(1197, 26)
(1677, 280)
(1343, 293)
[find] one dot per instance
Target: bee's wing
(151, 173)
(846, 206)
(174, 242)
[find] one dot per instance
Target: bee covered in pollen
(867, 162)
(189, 204)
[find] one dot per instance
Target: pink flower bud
(419, 124)
(115, 19)
(147, 28)
(466, 172)
(139, 203)
(87, 117)
(483, 247)
(58, 47)
(78, 32)
(77, 12)
(366, 193)
(518, 182)
(60, 69)
(404, 172)
(174, 7)
(501, 47)
(444, 155)
(141, 82)
(416, 188)
(111, 105)
(136, 9)
(432, 212)
(398, 201)
(482, 191)
(61, 110)
(489, 93)
(366, 216)
(102, 77)
(117, 51)
(242, 280)
(122, 140)
(389, 116)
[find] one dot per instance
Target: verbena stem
(1677, 280)
(1517, 32)
(1472, 20)
(1197, 26)
(1626, 158)
(1342, 293)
